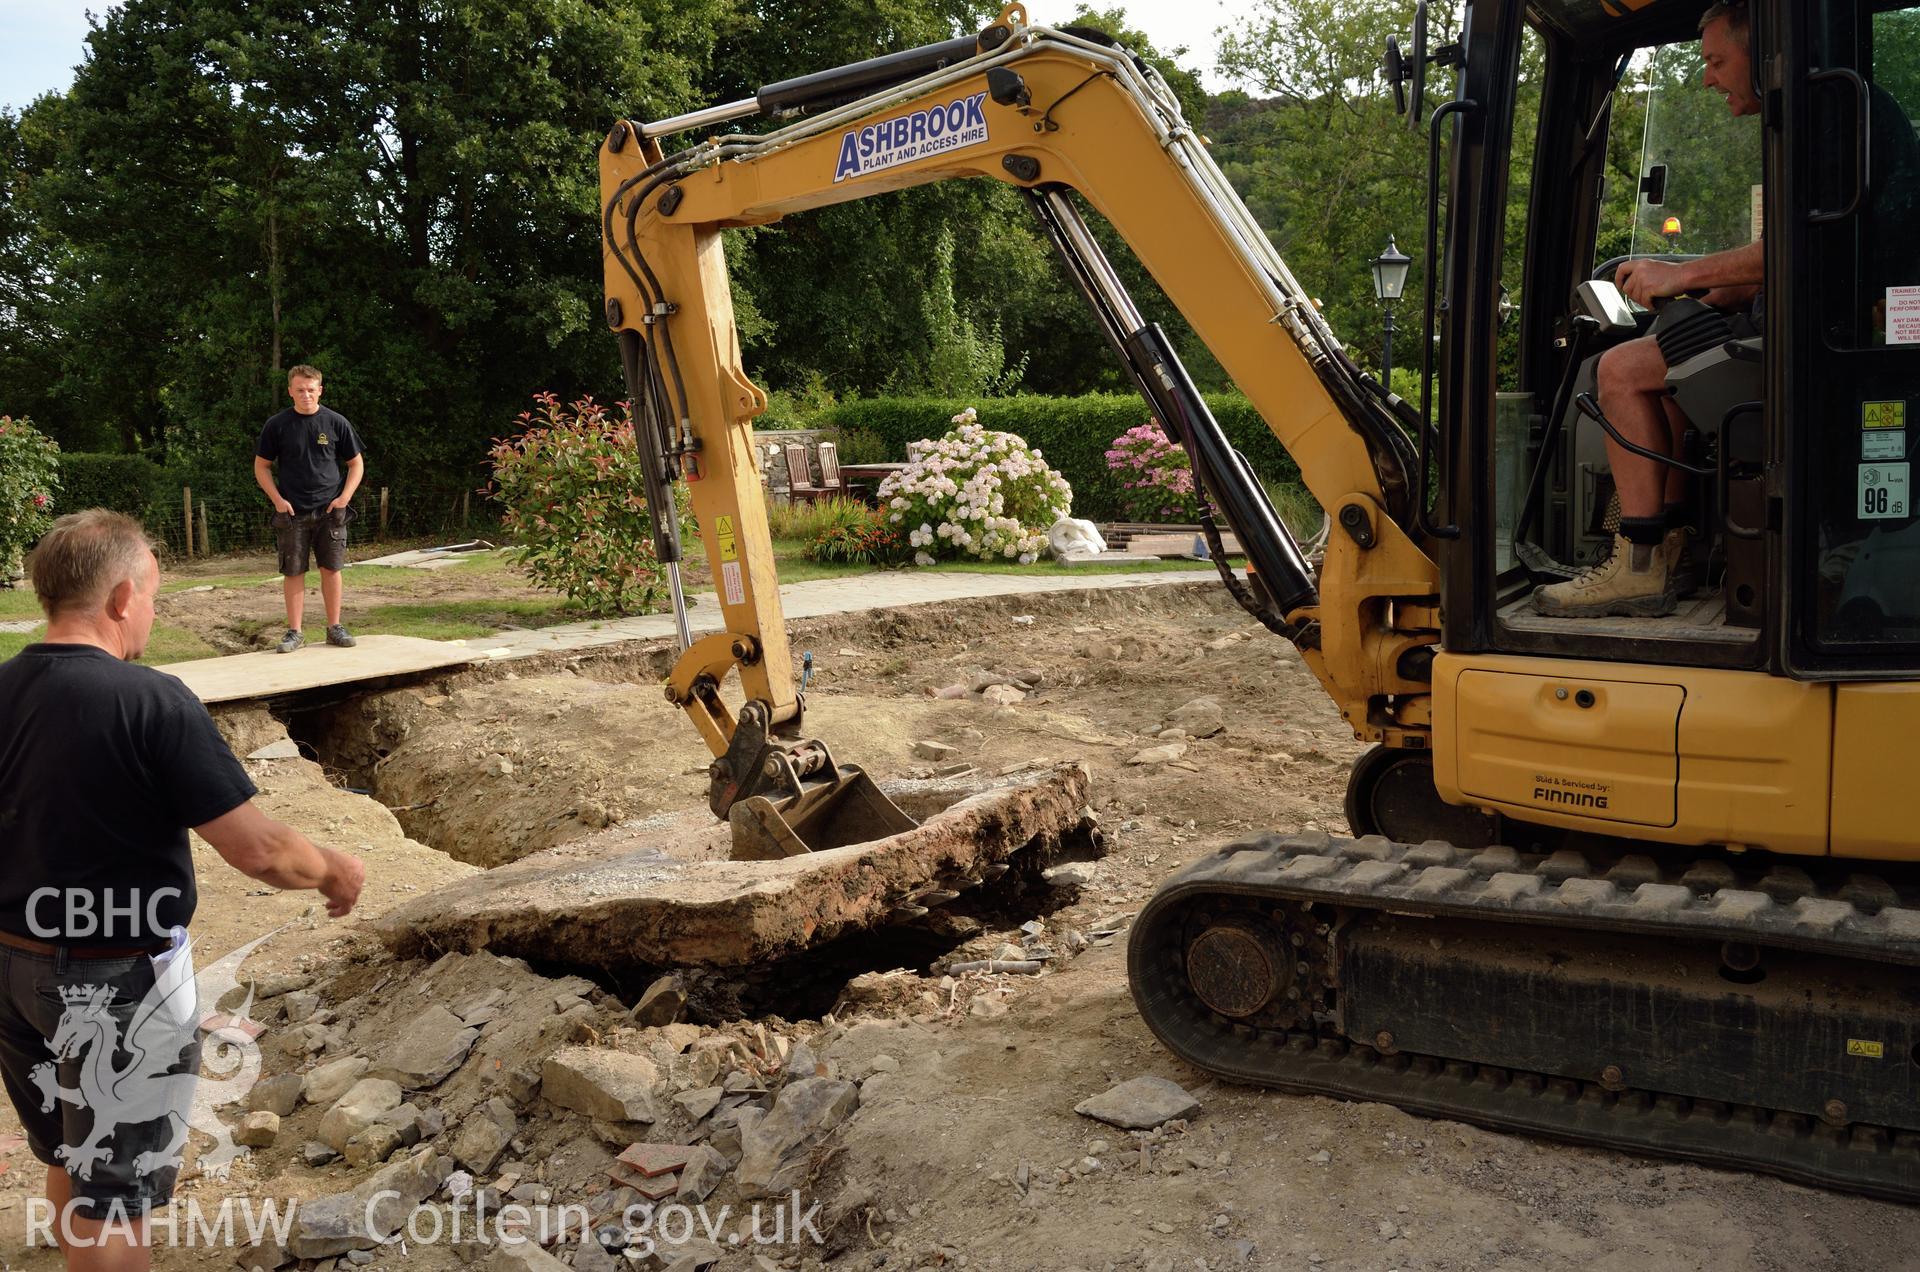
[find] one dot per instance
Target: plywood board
(240, 677)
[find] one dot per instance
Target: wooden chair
(831, 482)
(800, 475)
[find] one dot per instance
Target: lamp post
(1389, 281)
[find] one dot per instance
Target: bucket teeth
(936, 896)
(907, 913)
(994, 871)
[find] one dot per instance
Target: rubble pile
(533, 1122)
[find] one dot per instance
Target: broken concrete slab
(375, 1144)
(258, 1130)
(434, 1045)
(485, 1134)
(1139, 1104)
(613, 1086)
(661, 893)
(279, 1095)
(330, 1081)
(662, 1002)
(773, 1158)
(700, 1101)
(521, 1256)
(367, 1215)
(701, 1175)
(1201, 718)
(1163, 754)
(358, 1109)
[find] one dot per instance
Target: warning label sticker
(1903, 315)
(723, 531)
(1861, 1047)
(1883, 491)
(730, 580)
(1884, 443)
(1883, 415)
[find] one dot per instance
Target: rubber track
(1770, 904)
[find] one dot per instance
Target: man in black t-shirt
(104, 766)
(320, 459)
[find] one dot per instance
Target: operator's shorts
(88, 1006)
(323, 534)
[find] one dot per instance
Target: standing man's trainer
(103, 767)
(321, 463)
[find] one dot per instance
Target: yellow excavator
(1642, 882)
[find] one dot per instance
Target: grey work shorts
(89, 1006)
(323, 534)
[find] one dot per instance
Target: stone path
(816, 597)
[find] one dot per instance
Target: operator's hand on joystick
(1645, 280)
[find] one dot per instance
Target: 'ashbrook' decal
(903, 139)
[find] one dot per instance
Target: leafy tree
(403, 195)
(1323, 161)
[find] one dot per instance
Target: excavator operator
(1643, 577)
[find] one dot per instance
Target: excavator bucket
(850, 809)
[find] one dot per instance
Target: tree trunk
(273, 274)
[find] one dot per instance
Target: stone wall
(772, 446)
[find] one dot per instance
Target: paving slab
(239, 677)
(660, 892)
(815, 598)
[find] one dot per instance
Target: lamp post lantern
(1389, 281)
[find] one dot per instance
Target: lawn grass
(217, 580)
(167, 644)
(460, 620)
(18, 602)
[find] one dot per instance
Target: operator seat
(1715, 378)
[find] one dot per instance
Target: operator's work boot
(1631, 583)
(338, 634)
(291, 641)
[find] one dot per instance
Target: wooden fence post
(463, 509)
(383, 512)
(206, 540)
(186, 513)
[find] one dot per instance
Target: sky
(41, 41)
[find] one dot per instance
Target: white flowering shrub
(975, 493)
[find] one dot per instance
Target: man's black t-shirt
(103, 766)
(312, 451)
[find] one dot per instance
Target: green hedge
(238, 515)
(124, 483)
(1072, 433)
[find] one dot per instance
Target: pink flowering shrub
(571, 494)
(29, 481)
(975, 493)
(1156, 482)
